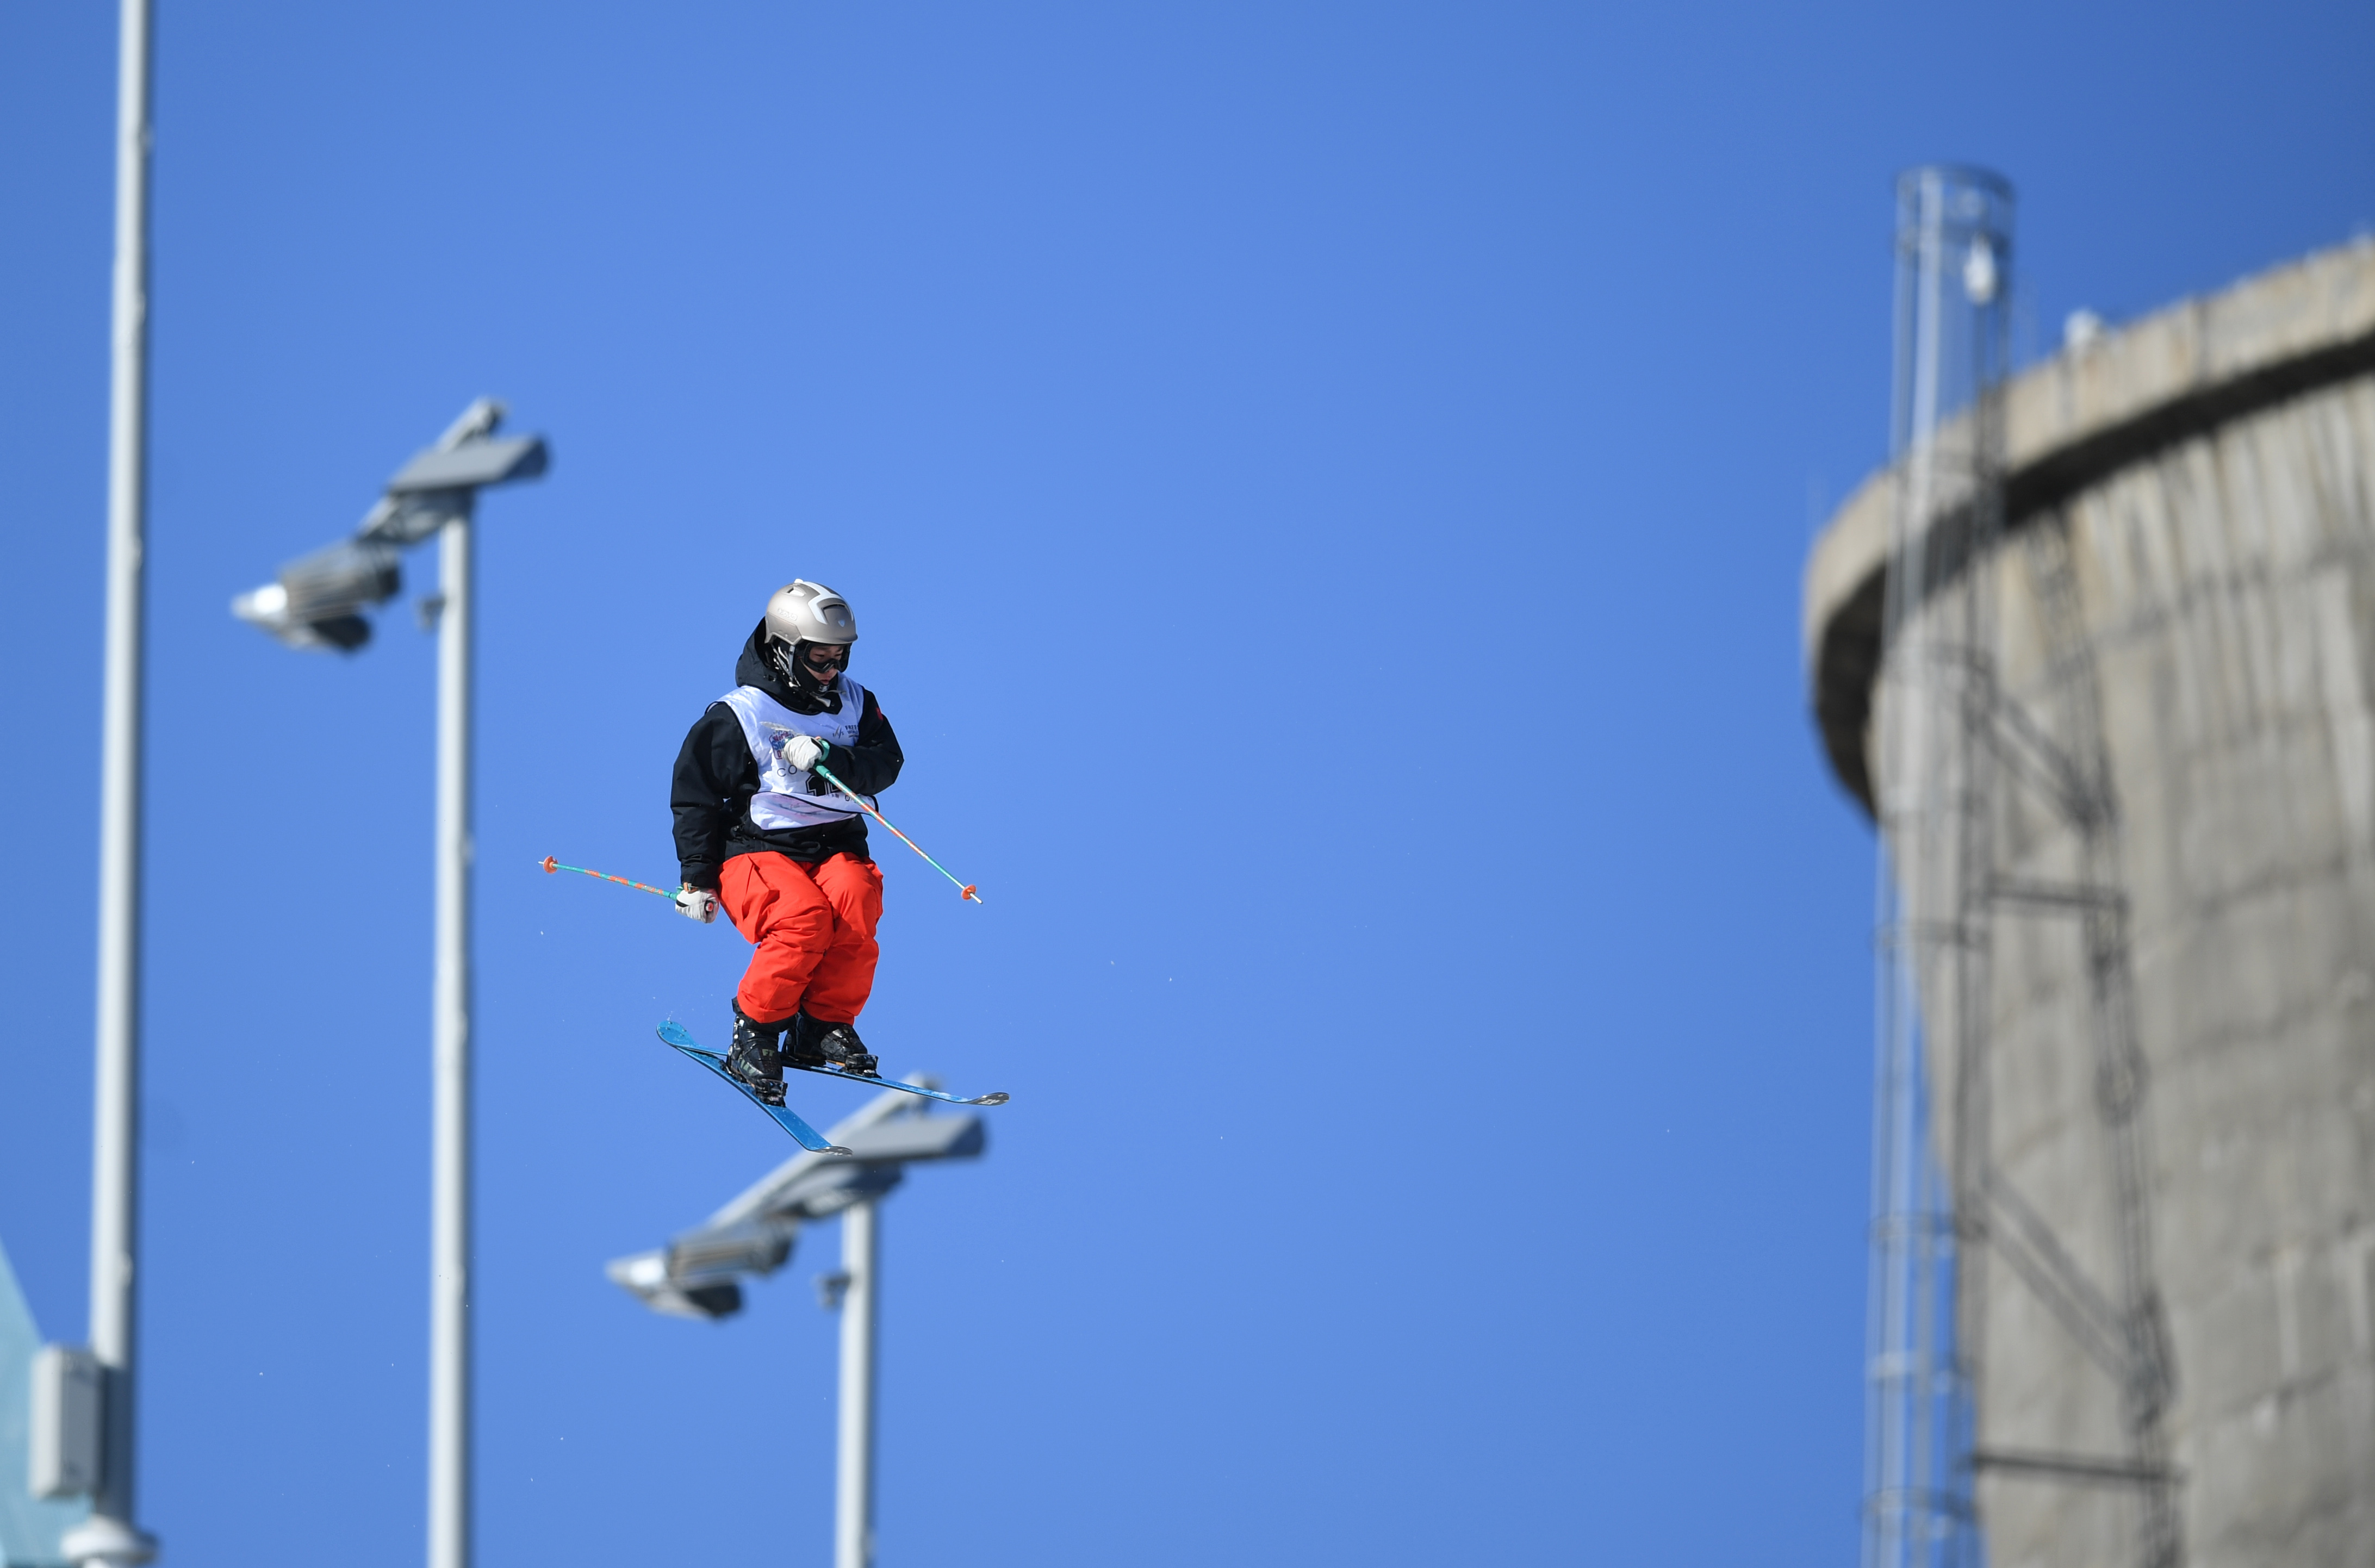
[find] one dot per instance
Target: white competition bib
(788, 797)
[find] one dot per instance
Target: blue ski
(995, 1097)
(807, 1137)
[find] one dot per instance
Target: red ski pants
(813, 925)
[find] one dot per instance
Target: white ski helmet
(810, 612)
(803, 614)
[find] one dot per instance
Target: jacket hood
(755, 668)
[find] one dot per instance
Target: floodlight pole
(110, 1536)
(313, 606)
(449, 1245)
(853, 1513)
(753, 1235)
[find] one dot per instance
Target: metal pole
(853, 1519)
(110, 1536)
(449, 1294)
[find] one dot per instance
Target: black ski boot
(755, 1057)
(816, 1043)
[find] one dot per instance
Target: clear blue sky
(1324, 489)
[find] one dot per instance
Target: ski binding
(807, 1137)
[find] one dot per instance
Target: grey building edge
(31, 1527)
(2071, 423)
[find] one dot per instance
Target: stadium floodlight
(314, 601)
(700, 1273)
(317, 601)
(471, 465)
(702, 1278)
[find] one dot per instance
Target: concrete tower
(2167, 1249)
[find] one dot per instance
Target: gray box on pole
(69, 1387)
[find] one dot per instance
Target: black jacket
(717, 776)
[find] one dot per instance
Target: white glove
(805, 751)
(697, 903)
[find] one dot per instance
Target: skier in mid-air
(759, 831)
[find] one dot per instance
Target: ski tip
(995, 1097)
(832, 1149)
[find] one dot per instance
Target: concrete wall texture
(2212, 471)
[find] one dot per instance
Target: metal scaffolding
(2062, 756)
(1946, 732)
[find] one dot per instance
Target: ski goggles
(822, 657)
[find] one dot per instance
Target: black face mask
(792, 663)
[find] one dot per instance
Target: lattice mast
(1933, 795)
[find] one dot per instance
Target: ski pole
(964, 890)
(551, 865)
